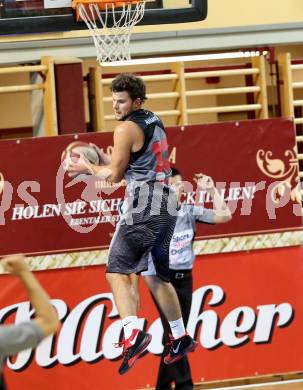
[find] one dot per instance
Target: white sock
(177, 328)
(129, 323)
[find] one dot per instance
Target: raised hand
(204, 182)
(104, 158)
(15, 264)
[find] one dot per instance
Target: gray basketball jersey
(181, 252)
(151, 162)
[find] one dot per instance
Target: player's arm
(124, 139)
(221, 212)
(45, 315)
(123, 143)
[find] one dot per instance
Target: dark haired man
(148, 216)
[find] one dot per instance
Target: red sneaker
(179, 348)
(133, 348)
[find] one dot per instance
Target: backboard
(42, 16)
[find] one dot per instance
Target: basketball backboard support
(19, 17)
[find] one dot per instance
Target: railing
(179, 74)
(288, 86)
(290, 91)
(46, 68)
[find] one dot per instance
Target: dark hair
(175, 172)
(130, 83)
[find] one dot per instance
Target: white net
(111, 28)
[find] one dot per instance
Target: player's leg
(124, 297)
(125, 258)
(183, 284)
(167, 299)
(165, 295)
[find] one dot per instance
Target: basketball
(90, 151)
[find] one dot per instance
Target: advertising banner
(247, 311)
(43, 210)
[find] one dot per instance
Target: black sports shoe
(133, 348)
(179, 348)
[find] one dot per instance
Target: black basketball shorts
(144, 230)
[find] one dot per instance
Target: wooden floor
(295, 384)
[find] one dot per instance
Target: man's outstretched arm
(46, 317)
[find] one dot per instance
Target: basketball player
(148, 217)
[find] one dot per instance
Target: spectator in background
(181, 259)
(28, 334)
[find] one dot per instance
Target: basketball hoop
(110, 24)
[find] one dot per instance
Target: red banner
(247, 315)
(253, 164)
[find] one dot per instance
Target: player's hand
(204, 182)
(15, 264)
(75, 164)
(104, 158)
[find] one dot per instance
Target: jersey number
(160, 148)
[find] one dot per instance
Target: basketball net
(110, 24)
